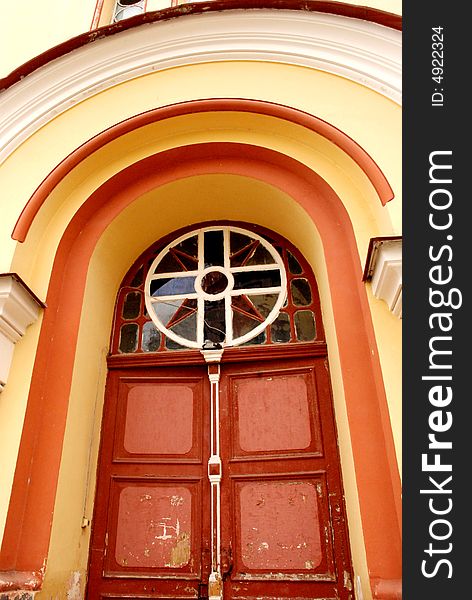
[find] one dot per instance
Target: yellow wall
(323, 95)
(29, 28)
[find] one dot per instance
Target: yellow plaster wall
(29, 28)
(196, 199)
(13, 402)
(361, 118)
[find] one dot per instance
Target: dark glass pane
(132, 305)
(188, 247)
(238, 241)
(214, 282)
(261, 257)
(151, 338)
(187, 328)
(264, 303)
(243, 305)
(301, 292)
(280, 329)
(241, 249)
(261, 338)
(305, 326)
(256, 279)
(169, 264)
(214, 250)
(171, 345)
(128, 338)
(293, 265)
(171, 287)
(242, 324)
(214, 328)
(138, 278)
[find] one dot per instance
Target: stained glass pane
(189, 247)
(128, 338)
(165, 311)
(241, 248)
(301, 292)
(171, 345)
(151, 338)
(214, 328)
(172, 287)
(238, 241)
(186, 308)
(261, 256)
(214, 282)
(138, 277)
(280, 329)
(305, 326)
(132, 305)
(261, 338)
(264, 303)
(293, 264)
(186, 328)
(214, 249)
(169, 264)
(256, 279)
(242, 324)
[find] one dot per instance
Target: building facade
(200, 300)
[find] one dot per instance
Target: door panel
(281, 483)
(150, 528)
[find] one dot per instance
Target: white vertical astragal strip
(228, 312)
(213, 358)
(201, 300)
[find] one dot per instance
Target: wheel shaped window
(215, 286)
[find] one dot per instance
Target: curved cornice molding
(362, 51)
(328, 131)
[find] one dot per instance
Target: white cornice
(19, 308)
(385, 270)
(362, 51)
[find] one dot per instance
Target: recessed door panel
(159, 420)
(275, 415)
(154, 529)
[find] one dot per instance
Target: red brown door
(283, 532)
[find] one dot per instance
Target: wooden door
(150, 529)
(283, 525)
(283, 532)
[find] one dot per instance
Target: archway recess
(27, 539)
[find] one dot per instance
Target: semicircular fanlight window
(217, 284)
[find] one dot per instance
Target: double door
(235, 482)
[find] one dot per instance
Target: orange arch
(29, 521)
(331, 133)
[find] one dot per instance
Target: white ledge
(362, 51)
(384, 269)
(19, 308)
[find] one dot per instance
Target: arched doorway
(219, 470)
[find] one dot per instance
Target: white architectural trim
(385, 270)
(365, 52)
(18, 309)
